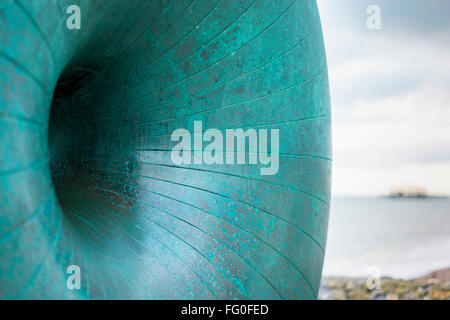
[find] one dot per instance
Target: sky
(390, 95)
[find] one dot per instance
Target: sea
(395, 237)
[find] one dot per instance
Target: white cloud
(363, 182)
(390, 101)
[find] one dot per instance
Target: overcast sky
(390, 91)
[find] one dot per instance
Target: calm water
(404, 238)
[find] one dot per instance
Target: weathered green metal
(86, 176)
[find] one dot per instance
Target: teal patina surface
(86, 176)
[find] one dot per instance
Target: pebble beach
(433, 286)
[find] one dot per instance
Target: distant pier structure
(408, 192)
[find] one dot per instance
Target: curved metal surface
(86, 176)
